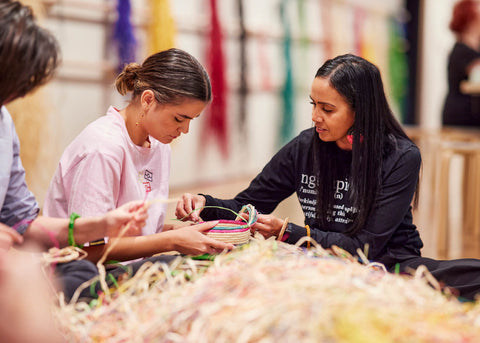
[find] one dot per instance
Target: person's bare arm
(190, 240)
(47, 231)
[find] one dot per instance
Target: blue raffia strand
(123, 34)
(287, 124)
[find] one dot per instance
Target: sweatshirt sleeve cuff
(294, 232)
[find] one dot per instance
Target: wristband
(71, 239)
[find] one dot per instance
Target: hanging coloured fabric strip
(123, 34)
(216, 120)
(288, 90)
(243, 72)
(161, 29)
(398, 65)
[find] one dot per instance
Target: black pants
(72, 274)
(461, 274)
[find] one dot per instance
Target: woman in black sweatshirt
(355, 174)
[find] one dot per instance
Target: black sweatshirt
(389, 232)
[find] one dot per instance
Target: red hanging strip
(358, 20)
(216, 121)
(265, 79)
(326, 23)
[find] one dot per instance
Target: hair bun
(125, 81)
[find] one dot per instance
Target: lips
(320, 130)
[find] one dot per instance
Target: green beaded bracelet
(71, 239)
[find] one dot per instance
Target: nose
(185, 127)
(317, 115)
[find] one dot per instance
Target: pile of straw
(269, 291)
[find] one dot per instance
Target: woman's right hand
(133, 213)
(189, 207)
(192, 240)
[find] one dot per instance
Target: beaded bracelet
(71, 239)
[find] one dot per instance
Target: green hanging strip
(303, 71)
(287, 126)
(398, 67)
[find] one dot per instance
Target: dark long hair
(172, 75)
(29, 54)
(360, 84)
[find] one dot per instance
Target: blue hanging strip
(123, 34)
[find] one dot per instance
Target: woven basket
(235, 231)
(231, 231)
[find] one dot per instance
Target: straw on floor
(269, 291)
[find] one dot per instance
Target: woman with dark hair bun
(355, 174)
(463, 109)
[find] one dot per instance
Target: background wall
(319, 29)
(435, 42)
(83, 89)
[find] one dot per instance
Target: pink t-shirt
(102, 169)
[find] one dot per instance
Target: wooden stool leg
(467, 164)
(442, 216)
(476, 198)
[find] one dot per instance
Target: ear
(147, 99)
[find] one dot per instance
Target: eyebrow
(184, 116)
(322, 103)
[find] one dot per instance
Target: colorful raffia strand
(270, 291)
(161, 28)
(288, 91)
(216, 115)
(123, 34)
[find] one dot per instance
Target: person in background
(29, 55)
(355, 173)
(461, 109)
(125, 155)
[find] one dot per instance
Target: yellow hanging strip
(161, 32)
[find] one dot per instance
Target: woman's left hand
(267, 225)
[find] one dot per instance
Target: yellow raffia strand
(161, 29)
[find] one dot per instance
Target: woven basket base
(231, 237)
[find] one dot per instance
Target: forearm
(130, 248)
(49, 231)
(324, 238)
